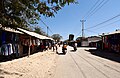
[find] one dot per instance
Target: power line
(45, 25)
(95, 8)
(99, 8)
(91, 9)
(102, 27)
(92, 31)
(79, 33)
(109, 24)
(43, 22)
(48, 28)
(104, 22)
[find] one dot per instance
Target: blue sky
(67, 20)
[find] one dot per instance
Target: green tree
(23, 13)
(39, 30)
(56, 37)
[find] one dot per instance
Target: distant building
(79, 40)
(94, 41)
(84, 42)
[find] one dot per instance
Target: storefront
(20, 42)
(9, 42)
(34, 42)
(111, 41)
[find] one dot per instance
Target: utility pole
(47, 30)
(82, 27)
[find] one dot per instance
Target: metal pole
(82, 27)
(47, 30)
(29, 46)
(82, 30)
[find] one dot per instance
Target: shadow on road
(12, 57)
(105, 54)
(60, 53)
(72, 51)
(5, 58)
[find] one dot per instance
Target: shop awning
(11, 30)
(34, 34)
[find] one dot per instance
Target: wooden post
(29, 47)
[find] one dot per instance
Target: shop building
(111, 41)
(19, 42)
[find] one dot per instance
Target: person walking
(53, 46)
(56, 47)
(75, 46)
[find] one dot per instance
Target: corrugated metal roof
(34, 34)
(115, 32)
(94, 40)
(10, 30)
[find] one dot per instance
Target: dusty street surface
(79, 64)
(38, 65)
(83, 64)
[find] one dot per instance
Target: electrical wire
(92, 31)
(91, 9)
(98, 8)
(103, 22)
(43, 22)
(108, 24)
(50, 30)
(46, 25)
(79, 33)
(87, 14)
(102, 27)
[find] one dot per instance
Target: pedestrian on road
(53, 44)
(56, 47)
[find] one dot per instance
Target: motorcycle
(64, 49)
(75, 48)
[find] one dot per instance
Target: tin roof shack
(34, 41)
(20, 41)
(84, 42)
(111, 41)
(95, 41)
(9, 42)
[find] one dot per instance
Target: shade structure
(34, 34)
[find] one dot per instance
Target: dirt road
(80, 64)
(38, 65)
(83, 64)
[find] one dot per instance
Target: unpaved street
(38, 65)
(80, 64)
(83, 64)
